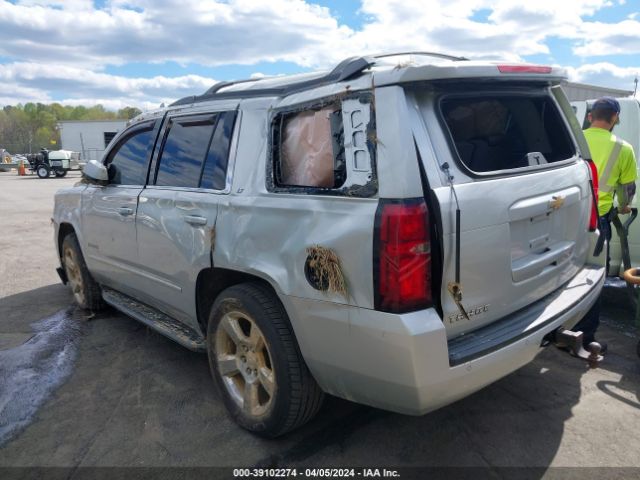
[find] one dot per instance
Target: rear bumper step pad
(524, 322)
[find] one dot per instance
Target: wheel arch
(64, 229)
(213, 281)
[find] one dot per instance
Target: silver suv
(396, 233)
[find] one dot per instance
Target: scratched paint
(29, 373)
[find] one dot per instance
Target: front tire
(255, 360)
(86, 292)
(43, 170)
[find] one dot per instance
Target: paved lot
(107, 391)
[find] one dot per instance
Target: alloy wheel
(244, 363)
(74, 275)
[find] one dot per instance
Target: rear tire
(43, 170)
(86, 292)
(255, 360)
(60, 173)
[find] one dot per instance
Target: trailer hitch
(572, 342)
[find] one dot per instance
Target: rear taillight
(524, 69)
(402, 256)
(593, 219)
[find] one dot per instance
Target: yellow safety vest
(614, 161)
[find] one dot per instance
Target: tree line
(29, 127)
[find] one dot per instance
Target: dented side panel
(174, 244)
(268, 234)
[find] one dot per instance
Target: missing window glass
(311, 152)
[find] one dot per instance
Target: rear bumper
(404, 363)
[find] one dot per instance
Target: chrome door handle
(125, 211)
(195, 220)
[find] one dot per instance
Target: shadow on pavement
(19, 310)
(623, 358)
(134, 397)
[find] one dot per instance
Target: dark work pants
(604, 224)
(589, 324)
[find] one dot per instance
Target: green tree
(129, 112)
(44, 137)
(25, 128)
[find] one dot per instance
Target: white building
(581, 91)
(90, 138)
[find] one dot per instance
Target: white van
(628, 130)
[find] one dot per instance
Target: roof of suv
(440, 66)
(388, 69)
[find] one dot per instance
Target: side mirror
(95, 172)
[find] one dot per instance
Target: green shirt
(601, 143)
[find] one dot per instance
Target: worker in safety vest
(616, 165)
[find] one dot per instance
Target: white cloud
(246, 32)
(610, 39)
(605, 74)
(63, 46)
(514, 29)
(434, 25)
(12, 93)
(112, 103)
(208, 33)
(20, 82)
(75, 5)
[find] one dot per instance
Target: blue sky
(145, 52)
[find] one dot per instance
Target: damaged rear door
(505, 157)
(178, 209)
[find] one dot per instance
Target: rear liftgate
(540, 229)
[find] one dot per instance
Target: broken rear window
(308, 153)
(325, 148)
(504, 132)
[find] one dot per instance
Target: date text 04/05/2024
(315, 473)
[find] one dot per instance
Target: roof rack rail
(224, 84)
(424, 54)
(345, 70)
(211, 91)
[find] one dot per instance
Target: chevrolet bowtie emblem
(556, 202)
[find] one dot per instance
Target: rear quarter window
(498, 132)
(326, 147)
